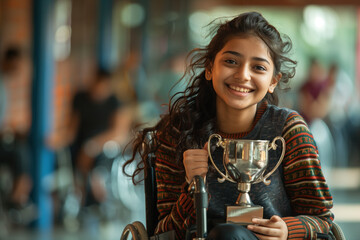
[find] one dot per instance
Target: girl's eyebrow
(240, 55)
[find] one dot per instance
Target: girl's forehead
(250, 44)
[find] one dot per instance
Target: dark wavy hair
(193, 111)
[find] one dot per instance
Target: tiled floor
(345, 185)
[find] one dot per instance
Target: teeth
(240, 89)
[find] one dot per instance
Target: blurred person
(351, 131)
(343, 120)
(132, 86)
(125, 77)
(316, 92)
(315, 100)
(14, 149)
(97, 117)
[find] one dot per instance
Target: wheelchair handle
(201, 204)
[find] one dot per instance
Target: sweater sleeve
(175, 205)
(305, 184)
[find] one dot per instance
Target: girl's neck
(235, 121)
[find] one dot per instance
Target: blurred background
(77, 75)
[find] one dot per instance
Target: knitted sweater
(308, 194)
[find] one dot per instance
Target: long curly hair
(193, 111)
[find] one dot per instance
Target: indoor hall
(140, 47)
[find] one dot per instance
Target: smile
(239, 89)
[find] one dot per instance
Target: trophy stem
(244, 198)
(245, 210)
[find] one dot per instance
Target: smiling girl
(231, 91)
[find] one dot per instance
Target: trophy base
(243, 214)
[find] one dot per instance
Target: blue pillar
(42, 110)
(104, 34)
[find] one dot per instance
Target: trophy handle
(220, 143)
(273, 146)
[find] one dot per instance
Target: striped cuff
(296, 229)
(186, 205)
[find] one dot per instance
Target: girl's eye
(230, 61)
(260, 68)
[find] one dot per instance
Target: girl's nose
(243, 73)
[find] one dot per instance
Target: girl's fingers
(195, 162)
(195, 152)
(271, 228)
(266, 231)
(272, 222)
(275, 218)
(261, 221)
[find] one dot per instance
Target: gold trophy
(245, 162)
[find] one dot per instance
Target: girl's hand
(195, 162)
(266, 229)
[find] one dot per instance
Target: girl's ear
(208, 74)
(275, 80)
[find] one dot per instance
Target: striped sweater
(305, 185)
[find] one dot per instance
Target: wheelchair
(137, 231)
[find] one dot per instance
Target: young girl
(232, 92)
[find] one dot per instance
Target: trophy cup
(245, 162)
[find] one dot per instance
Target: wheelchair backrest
(152, 213)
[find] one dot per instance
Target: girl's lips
(240, 89)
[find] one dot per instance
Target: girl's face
(242, 73)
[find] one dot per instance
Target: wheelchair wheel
(338, 232)
(136, 230)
